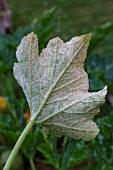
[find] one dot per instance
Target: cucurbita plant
(56, 88)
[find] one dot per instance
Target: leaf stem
(18, 145)
(32, 164)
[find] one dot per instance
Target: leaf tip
(32, 34)
(87, 37)
(104, 90)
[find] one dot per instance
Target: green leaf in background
(56, 86)
(36, 137)
(48, 148)
(74, 152)
(102, 147)
(100, 71)
(98, 34)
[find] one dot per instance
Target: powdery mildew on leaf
(56, 86)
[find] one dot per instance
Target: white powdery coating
(57, 81)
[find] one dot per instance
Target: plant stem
(18, 145)
(32, 164)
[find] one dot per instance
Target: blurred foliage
(12, 123)
(60, 152)
(44, 27)
(98, 34)
(102, 147)
(15, 165)
(63, 153)
(100, 72)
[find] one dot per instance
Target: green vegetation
(74, 17)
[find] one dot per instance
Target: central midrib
(30, 73)
(33, 118)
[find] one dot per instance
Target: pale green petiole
(18, 145)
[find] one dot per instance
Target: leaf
(56, 86)
(48, 148)
(73, 154)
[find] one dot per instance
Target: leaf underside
(56, 86)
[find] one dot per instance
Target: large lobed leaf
(56, 86)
